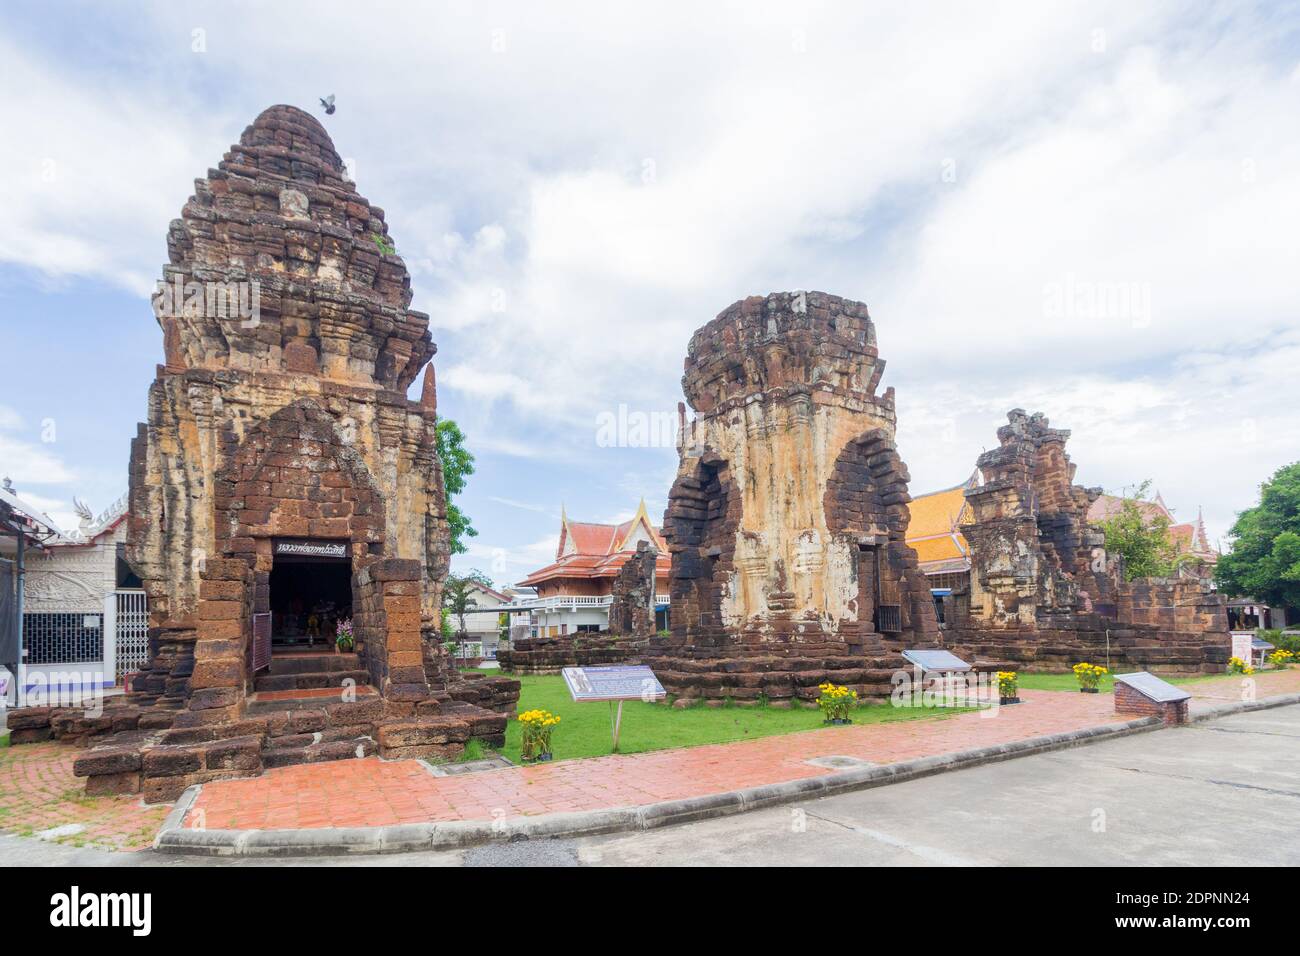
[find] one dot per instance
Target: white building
(84, 616)
(574, 591)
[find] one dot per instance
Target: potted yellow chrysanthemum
(1237, 666)
(836, 702)
(1089, 676)
(1008, 687)
(537, 728)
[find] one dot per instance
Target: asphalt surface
(1222, 792)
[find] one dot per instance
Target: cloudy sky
(1083, 209)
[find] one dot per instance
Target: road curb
(414, 837)
(1244, 707)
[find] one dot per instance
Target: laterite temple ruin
(1044, 594)
(284, 482)
(787, 519)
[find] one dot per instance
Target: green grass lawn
(1068, 682)
(585, 729)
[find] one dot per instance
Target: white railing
(560, 602)
(567, 601)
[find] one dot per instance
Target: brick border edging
(416, 837)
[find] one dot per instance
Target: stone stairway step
(268, 702)
(310, 680)
(299, 753)
(314, 663)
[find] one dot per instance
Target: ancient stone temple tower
(280, 423)
(284, 484)
(787, 519)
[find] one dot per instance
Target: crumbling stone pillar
(387, 625)
(219, 680)
(632, 609)
(788, 517)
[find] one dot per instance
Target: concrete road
(1225, 792)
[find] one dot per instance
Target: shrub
(1089, 675)
(836, 701)
(1237, 666)
(1283, 642)
(1280, 658)
(1008, 684)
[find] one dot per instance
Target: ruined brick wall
(632, 610)
(293, 420)
(1032, 550)
(789, 480)
(550, 655)
(1043, 592)
(1174, 604)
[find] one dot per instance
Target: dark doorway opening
(308, 599)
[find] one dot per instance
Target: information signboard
(613, 683)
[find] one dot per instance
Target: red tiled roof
(595, 551)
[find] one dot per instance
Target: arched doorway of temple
(298, 505)
(309, 592)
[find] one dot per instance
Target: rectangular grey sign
(613, 683)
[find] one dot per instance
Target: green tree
(1264, 562)
(458, 595)
(457, 465)
(1142, 539)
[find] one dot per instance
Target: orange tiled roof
(1107, 506)
(592, 550)
(934, 529)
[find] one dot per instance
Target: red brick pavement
(374, 793)
(38, 792)
(1225, 690)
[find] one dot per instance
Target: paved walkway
(372, 792)
(1226, 690)
(38, 793)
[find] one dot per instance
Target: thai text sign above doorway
(306, 548)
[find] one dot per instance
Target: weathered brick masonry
(1045, 595)
(787, 519)
(1133, 703)
(287, 420)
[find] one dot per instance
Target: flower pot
(1008, 700)
(543, 758)
(1089, 690)
(838, 721)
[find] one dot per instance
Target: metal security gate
(260, 652)
(132, 632)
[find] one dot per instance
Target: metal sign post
(618, 721)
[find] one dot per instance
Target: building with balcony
(574, 592)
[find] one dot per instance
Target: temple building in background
(574, 593)
(1189, 537)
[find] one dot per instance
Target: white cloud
(574, 206)
(25, 461)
